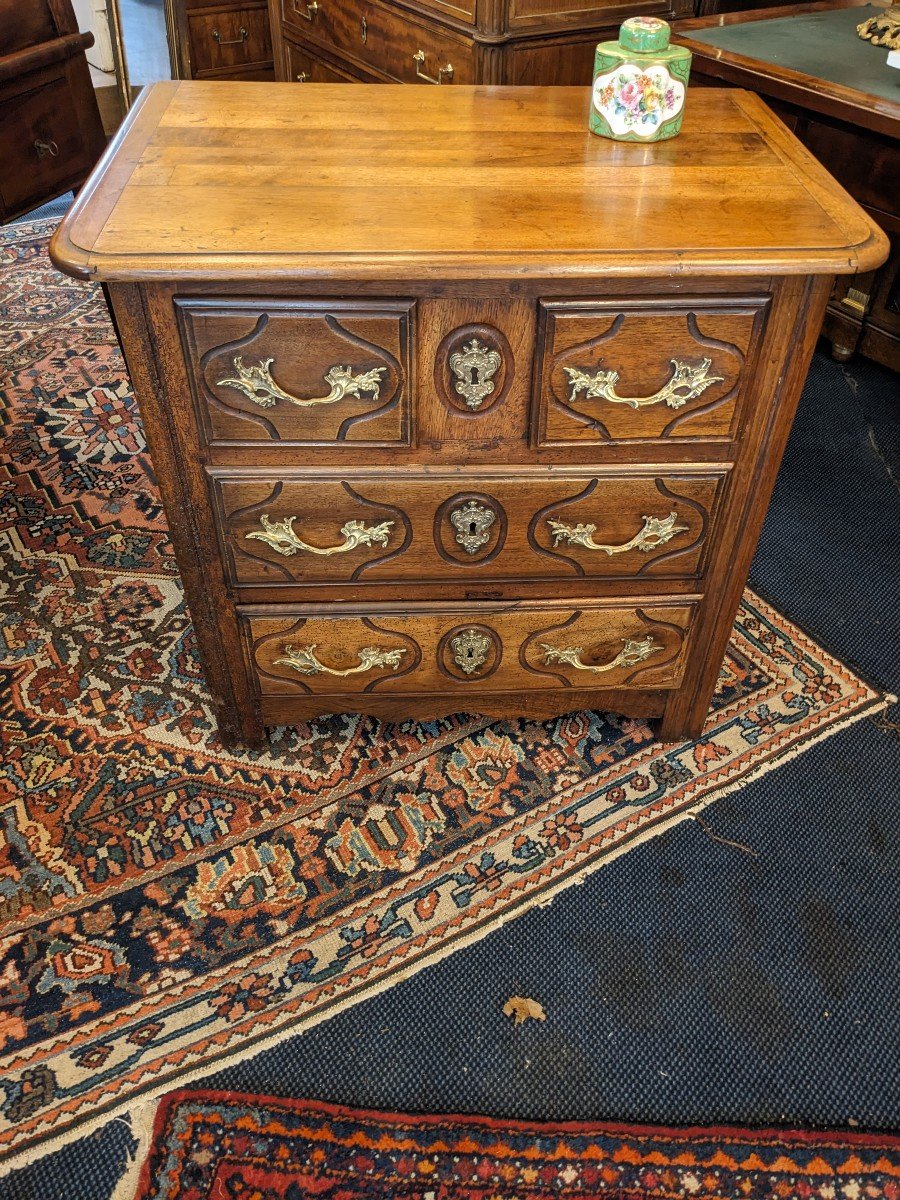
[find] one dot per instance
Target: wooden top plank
(233, 181)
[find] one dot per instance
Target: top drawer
(318, 372)
(385, 40)
(632, 371)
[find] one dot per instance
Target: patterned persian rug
(225, 1146)
(168, 906)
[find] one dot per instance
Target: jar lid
(644, 34)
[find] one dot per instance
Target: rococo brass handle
(304, 660)
(281, 537)
(257, 384)
(632, 652)
(656, 531)
(419, 59)
(242, 37)
(311, 10)
(688, 381)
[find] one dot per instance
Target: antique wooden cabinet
(50, 130)
(448, 41)
(454, 406)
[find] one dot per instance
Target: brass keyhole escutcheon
(473, 650)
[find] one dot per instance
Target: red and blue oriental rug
(166, 905)
(222, 1146)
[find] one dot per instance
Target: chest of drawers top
(244, 182)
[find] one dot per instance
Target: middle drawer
(453, 526)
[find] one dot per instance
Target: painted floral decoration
(639, 100)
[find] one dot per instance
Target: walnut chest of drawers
(454, 406)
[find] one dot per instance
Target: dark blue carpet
(688, 981)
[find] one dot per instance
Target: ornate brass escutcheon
(632, 652)
(303, 659)
(281, 537)
(688, 381)
(656, 531)
(470, 650)
(257, 384)
(472, 522)
(475, 367)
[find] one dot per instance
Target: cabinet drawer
(304, 373)
(384, 40)
(305, 67)
(40, 142)
(611, 371)
(380, 527)
(229, 39)
(484, 648)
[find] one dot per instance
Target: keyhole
(474, 375)
(473, 528)
(470, 653)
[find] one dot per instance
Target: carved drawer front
(366, 528)
(384, 40)
(611, 371)
(309, 373)
(487, 648)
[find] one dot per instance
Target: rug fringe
(540, 900)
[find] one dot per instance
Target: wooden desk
(839, 97)
(454, 406)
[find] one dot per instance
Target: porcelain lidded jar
(640, 83)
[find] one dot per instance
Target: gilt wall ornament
(257, 384)
(688, 381)
(475, 367)
(472, 522)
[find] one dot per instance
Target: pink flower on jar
(630, 95)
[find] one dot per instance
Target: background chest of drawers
(222, 39)
(445, 428)
(447, 41)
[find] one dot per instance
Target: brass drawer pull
(688, 381)
(311, 10)
(281, 537)
(419, 59)
(632, 652)
(46, 147)
(257, 384)
(302, 77)
(303, 659)
(364, 30)
(241, 37)
(656, 531)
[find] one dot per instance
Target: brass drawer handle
(302, 77)
(46, 147)
(311, 10)
(281, 537)
(632, 652)
(688, 381)
(656, 531)
(419, 59)
(241, 37)
(304, 660)
(257, 384)
(364, 30)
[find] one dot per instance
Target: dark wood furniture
(222, 39)
(448, 41)
(50, 130)
(806, 70)
(454, 406)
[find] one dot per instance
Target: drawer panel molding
(609, 372)
(312, 373)
(534, 647)
(332, 529)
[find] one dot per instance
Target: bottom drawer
(451, 648)
(302, 66)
